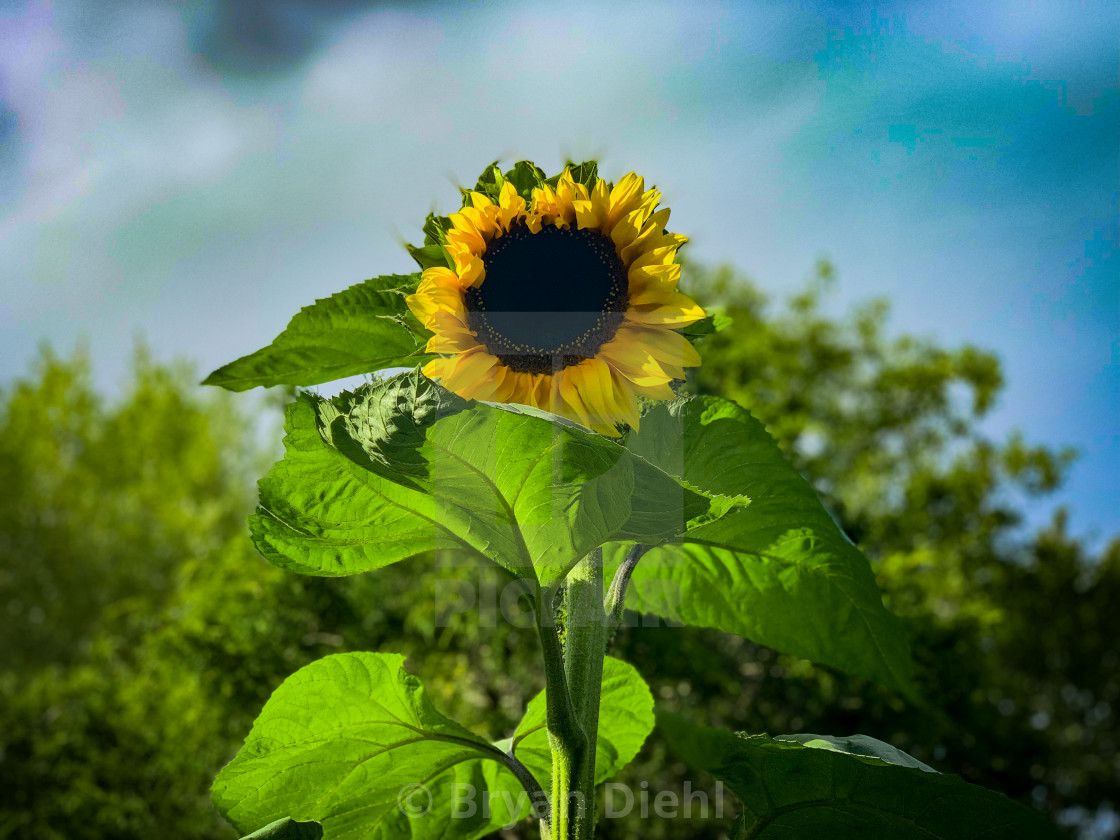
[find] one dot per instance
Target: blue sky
(196, 172)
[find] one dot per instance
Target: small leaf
(791, 791)
(365, 328)
(352, 742)
(401, 467)
(625, 720)
(777, 571)
(288, 829)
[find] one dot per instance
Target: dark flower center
(549, 299)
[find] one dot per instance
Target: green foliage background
(142, 633)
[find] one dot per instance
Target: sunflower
(566, 301)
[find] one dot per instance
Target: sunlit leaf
(365, 328)
(352, 742)
(777, 571)
(402, 467)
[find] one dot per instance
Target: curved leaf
(346, 741)
(365, 328)
(402, 467)
(791, 791)
(777, 571)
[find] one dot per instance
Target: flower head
(567, 301)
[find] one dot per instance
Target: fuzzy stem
(585, 644)
(566, 737)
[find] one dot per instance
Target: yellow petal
(570, 403)
(662, 279)
(434, 368)
(540, 392)
(471, 374)
(451, 335)
(668, 347)
(472, 272)
(652, 231)
(661, 255)
(618, 396)
(592, 212)
(511, 204)
(592, 379)
(626, 192)
(673, 316)
(638, 365)
(467, 241)
(480, 201)
(626, 230)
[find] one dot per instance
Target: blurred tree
(105, 502)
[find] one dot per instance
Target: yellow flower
(567, 302)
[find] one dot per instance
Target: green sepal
(525, 177)
(489, 183)
(428, 256)
(584, 173)
(435, 229)
(714, 322)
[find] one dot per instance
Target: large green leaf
(625, 720)
(352, 742)
(795, 791)
(777, 571)
(402, 467)
(365, 328)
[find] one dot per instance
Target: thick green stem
(585, 645)
(566, 737)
